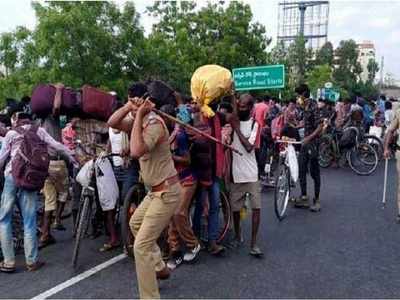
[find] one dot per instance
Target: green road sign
(259, 78)
(331, 94)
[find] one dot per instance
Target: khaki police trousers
(398, 180)
(149, 220)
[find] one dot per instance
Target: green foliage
(372, 68)
(187, 37)
(318, 76)
(102, 44)
(348, 68)
(325, 55)
(74, 43)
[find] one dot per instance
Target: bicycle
(361, 156)
(88, 198)
(132, 200)
(224, 215)
(376, 143)
(283, 180)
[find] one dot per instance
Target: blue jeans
(213, 218)
(27, 202)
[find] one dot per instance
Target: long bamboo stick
(198, 131)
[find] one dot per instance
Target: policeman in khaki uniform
(394, 126)
(149, 143)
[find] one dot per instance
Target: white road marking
(62, 286)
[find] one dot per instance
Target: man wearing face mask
(245, 171)
(308, 158)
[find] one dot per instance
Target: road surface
(349, 250)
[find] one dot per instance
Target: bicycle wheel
(362, 159)
(132, 200)
(83, 223)
(282, 192)
(225, 216)
(326, 154)
(376, 143)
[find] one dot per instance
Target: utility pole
(302, 8)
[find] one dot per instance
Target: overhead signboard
(259, 78)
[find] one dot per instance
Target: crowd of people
(179, 168)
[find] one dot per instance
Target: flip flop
(108, 247)
(47, 242)
(217, 251)
(256, 252)
(6, 269)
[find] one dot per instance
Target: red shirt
(259, 112)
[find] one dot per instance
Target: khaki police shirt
(156, 165)
(395, 125)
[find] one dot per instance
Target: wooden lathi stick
(198, 131)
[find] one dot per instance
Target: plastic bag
(376, 131)
(208, 83)
(85, 174)
(107, 185)
(293, 164)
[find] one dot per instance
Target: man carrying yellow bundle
(207, 85)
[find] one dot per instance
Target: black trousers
(308, 161)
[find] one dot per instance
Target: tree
(348, 69)
(89, 42)
(318, 76)
(10, 48)
(324, 55)
(187, 37)
(372, 69)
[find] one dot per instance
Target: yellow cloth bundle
(208, 83)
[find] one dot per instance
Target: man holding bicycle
(308, 158)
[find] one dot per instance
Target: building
(366, 51)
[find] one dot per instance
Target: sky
(377, 21)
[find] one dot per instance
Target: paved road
(351, 250)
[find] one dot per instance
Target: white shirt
(389, 115)
(244, 168)
(116, 146)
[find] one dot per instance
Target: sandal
(47, 242)
(256, 252)
(6, 268)
(217, 250)
(108, 247)
(35, 266)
